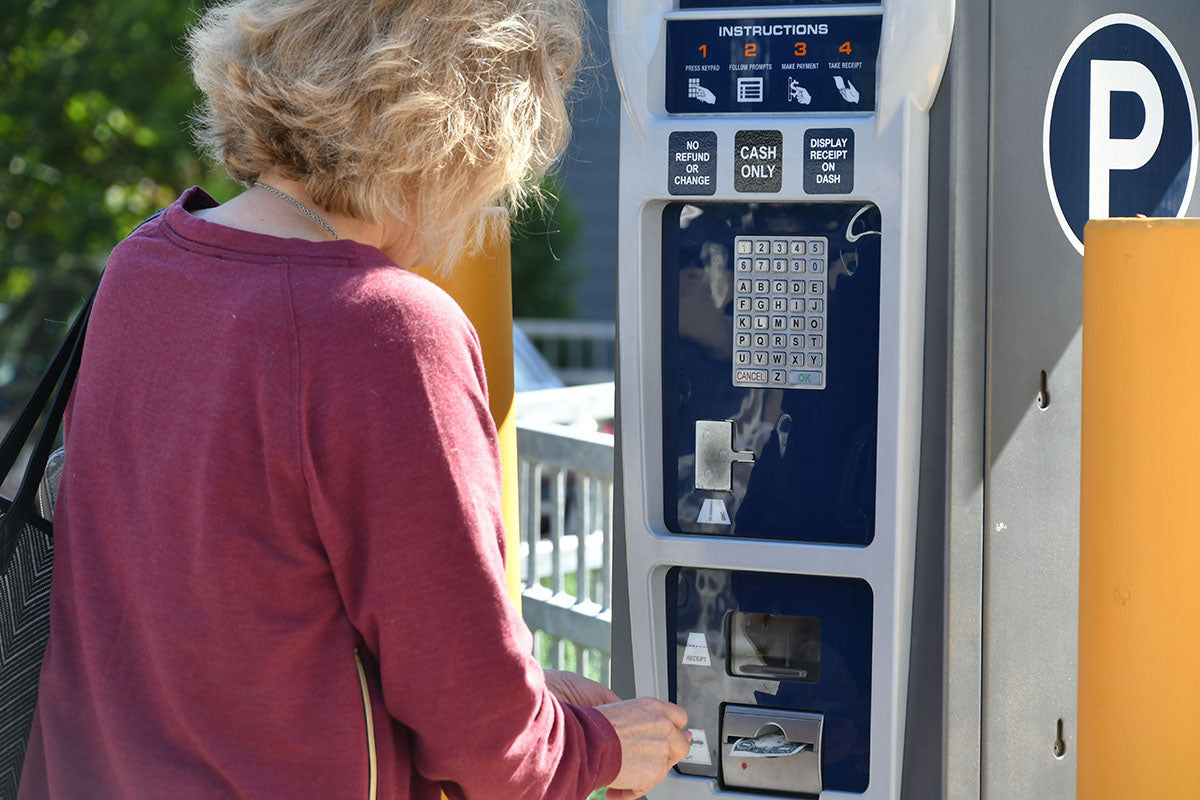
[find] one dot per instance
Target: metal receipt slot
(771, 750)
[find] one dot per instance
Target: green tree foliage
(95, 98)
(94, 103)
(543, 243)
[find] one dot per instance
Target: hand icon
(846, 88)
(798, 93)
(705, 96)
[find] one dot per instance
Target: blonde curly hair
(422, 110)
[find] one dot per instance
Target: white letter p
(1106, 154)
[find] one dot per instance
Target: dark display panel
(700, 603)
(774, 65)
(761, 3)
(813, 474)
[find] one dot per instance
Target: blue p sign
(1120, 133)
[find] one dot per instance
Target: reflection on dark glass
(776, 646)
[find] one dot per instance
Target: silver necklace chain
(298, 205)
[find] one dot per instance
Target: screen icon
(750, 90)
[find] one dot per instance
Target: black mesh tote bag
(26, 555)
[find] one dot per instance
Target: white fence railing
(565, 484)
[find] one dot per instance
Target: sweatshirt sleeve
(400, 454)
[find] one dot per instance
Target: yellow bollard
(1139, 561)
(482, 285)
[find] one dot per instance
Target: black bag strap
(17, 514)
(61, 373)
(18, 434)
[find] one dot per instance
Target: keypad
(780, 303)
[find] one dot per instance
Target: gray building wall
(589, 171)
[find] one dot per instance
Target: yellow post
(1139, 561)
(482, 285)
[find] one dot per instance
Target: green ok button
(804, 378)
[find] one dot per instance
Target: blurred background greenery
(95, 98)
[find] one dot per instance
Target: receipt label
(696, 652)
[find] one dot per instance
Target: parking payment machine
(772, 266)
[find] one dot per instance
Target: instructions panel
(824, 65)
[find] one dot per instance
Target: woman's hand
(653, 740)
(571, 687)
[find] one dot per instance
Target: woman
(279, 545)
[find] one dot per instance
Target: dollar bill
(770, 746)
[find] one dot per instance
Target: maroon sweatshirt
(279, 453)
